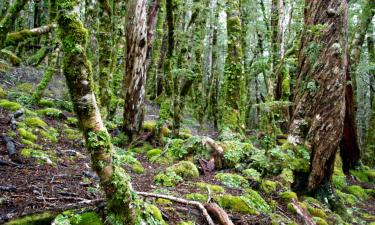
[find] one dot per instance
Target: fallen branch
(16, 37)
(182, 201)
(302, 213)
(218, 213)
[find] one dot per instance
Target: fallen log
(199, 205)
(218, 214)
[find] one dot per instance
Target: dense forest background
(187, 112)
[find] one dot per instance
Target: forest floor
(51, 171)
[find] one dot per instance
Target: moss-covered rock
(277, 219)
(316, 212)
(138, 168)
(287, 196)
(320, 221)
(286, 177)
(216, 189)
(235, 204)
(27, 135)
(185, 169)
(197, 197)
(232, 180)
(8, 105)
(50, 135)
(357, 191)
(268, 186)
(366, 175)
(35, 122)
(163, 201)
(46, 103)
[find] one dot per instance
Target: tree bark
(135, 74)
(77, 70)
(318, 118)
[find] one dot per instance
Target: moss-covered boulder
(185, 169)
(268, 186)
(149, 125)
(232, 180)
(204, 187)
(8, 105)
(235, 204)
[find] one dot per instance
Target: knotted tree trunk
(135, 74)
(318, 118)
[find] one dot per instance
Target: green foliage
(316, 212)
(358, 191)
(50, 135)
(347, 199)
(149, 125)
(287, 196)
(70, 218)
(235, 151)
(167, 179)
(3, 93)
(153, 153)
(120, 140)
(98, 141)
(252, 174)
(216, 189)
(25, 87)
(320, 221)
(12, 106)
(72, 121)
(185, 169)
(232, 180)
(35, 122)
(365, 175)
(253, 199)
(72, 134)
(268, 186)
(46, 102)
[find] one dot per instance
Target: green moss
(157, 217)
(252, 174)
(232, 180)
(40, 155)
(167, 179)
(35, 122)
(44, 218)
(46, 102)
(11, 134)
(72, 121)
(149, 125)
(287, 196)
(143, 149)
(49, 112)
(320, 221)
(50, 135)
(138, 168)
(316, 212)
(197, 197)
(163, 201)
(339, 182)
(235, 204)
(8, 105)
(357, 191)
(27, 135)
(153, 152)
(216, 189)
(72, 134)
(268, 186)
(291, 208)
(254, 199)
(286, 177)
(3, 93)
(367, 176)
(277, 219)
(89, 218)
(185, 169)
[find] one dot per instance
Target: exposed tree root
(302, 213)
(218, 213)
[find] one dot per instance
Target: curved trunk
(135, 74)
(77, 70)
(320, 101)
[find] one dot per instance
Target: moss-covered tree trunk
(77, 70)
(135, 74)
(105, 54)
(318, 118)
(7, 22)
(233, 75)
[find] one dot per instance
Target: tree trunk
(7, 22)
(135, 74)
(318, 118)
(77, 70)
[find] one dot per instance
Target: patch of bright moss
(186, 223)
(235, 204)
(49, 112)
(44, 218)
(8, 105)
(232, 180)
(167, 179)
(287, 196)
(143, 149)
(268, 186)
(367, 176)
(291, 208)
(277, 219)
(72, 134)
(46, 102)
(153, 152)
(185, 169)
(286, 177)
(138, 168)
(35, 122)
(254, 199)
(216, 189)
(197, 197)
(149, 125)
(163, 201)
(339, 182)
(72, 121)
(89, 218)
(315, 212)
(50, 135)
(154, 211)
(357, 191)
(320, 221)
(28, 135)
(252, 174)
(40, 155)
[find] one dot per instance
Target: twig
(183, 201)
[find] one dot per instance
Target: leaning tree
(319, 112)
